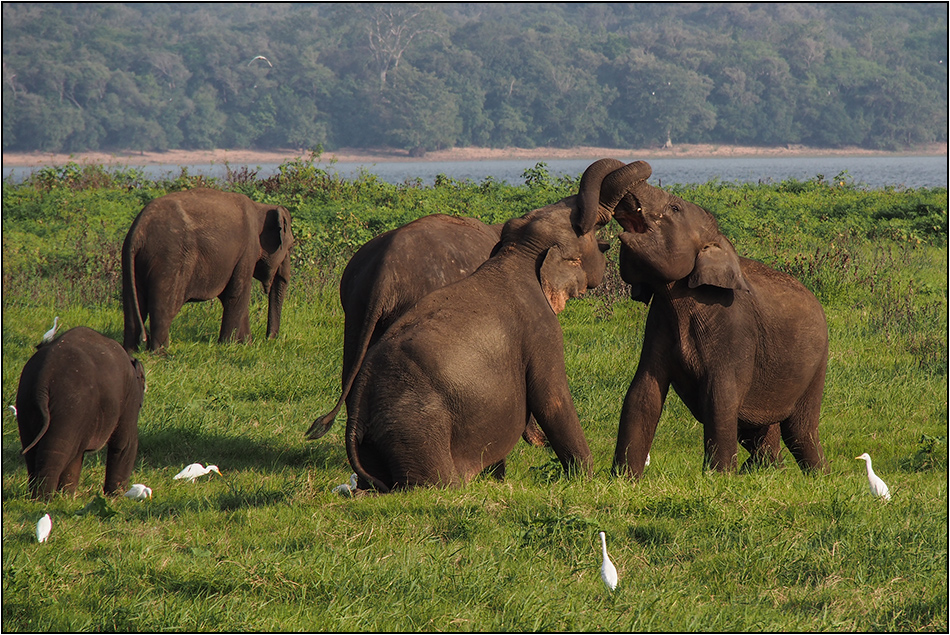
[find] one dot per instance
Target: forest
(419, 77)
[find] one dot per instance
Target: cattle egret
(347, 489)
(608, 572)
(195, 470)
(12, 409)
(878, 487)
(43, 528)
(48, 336)
(139, 492)
(261, 57)
(648, 460)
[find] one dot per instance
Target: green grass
(271, 548)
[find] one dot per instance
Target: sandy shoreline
(383, 155)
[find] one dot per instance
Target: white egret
(193, 471)
(139, 492)
(347, 489)
(48, 335)
(12, 409)
(648, 460)
(43, 528)
(878, 487)
(261, 57)
(608, 572)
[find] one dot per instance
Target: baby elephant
(77, 394)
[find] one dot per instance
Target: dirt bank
(381, 155)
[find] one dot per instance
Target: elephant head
(567, 262)
(665, 237)
(273, 267)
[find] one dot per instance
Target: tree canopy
(156, 76)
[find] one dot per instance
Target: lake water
(874, 172)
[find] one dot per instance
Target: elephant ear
(276, 231)
(561, 278)
(717, 265)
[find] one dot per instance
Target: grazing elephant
(744, 346)
(448, 389)
(77, 394)
(199, 245)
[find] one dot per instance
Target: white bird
(12, 409)
(43, 528)
(608, 572)
(195, 470)
(48, 336)
(878, 487)
(261, 57)
(139, 492)
(648, 460)
(347, 489)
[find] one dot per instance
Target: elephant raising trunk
(604, 184)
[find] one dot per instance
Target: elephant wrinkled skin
(78, 394)
(447, 391)
(199, 245)
(744, 346)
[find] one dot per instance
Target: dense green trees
(90, 76)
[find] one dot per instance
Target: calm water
(904, 171)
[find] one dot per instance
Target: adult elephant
(199, 245)
(448, 389)
(744, 346)
(391, 272)
(78, 394)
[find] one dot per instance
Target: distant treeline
(155, 76)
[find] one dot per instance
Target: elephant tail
(134, 321)
(323, 424)
(354, 437)
(42, 405)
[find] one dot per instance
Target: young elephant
(744, 346)
(77, 394)
(448, 389)
(391, 272)
(199, 245)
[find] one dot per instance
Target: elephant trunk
(621, 182)
(590, 211)
(275, 298)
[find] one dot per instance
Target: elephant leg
(638, 420)
(235, 317)
(800, 430)
(49, 467)
(533, 435)
(69, 479)
(120, 459)
(763, 445)
(161, 314)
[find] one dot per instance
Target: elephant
(198, 245)
(77, 394)
(391, 272)
(448, 389)
(743, 345)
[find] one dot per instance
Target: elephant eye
(674, 207)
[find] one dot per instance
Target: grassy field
(272, 548)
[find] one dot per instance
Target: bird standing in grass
(608, 572)
(50, 334)
(193, 471)
(139, 492)
(878, 487)
(43, 528)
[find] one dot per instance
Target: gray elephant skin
(448, 389)
(199, 245)
(744, 346)
(78, 394)
(391, 272)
